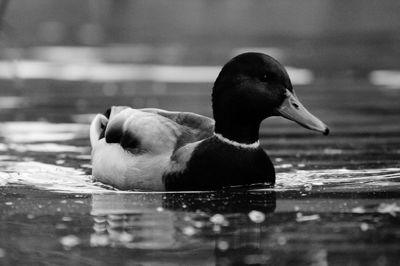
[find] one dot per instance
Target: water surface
(336, 201)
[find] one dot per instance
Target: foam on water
(47, 177)
(338, 178)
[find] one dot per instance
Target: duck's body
(153, 149)
(215, 164)
(135, 148)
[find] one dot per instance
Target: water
(336, 201)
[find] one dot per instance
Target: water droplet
(70, 241)
(256, 216)
(223, 245)
(189, 230)
(306, 218)
(125, 237)
(307, 187)
(199, 224)
(358, 210)
(99, 240)
(364, 226)
(217, 219)
(66, 219)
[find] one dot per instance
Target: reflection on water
(323, 210)
(212, 223)
(222, 228)
(52, 211)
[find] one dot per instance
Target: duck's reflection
(222, 202)
(202, 227)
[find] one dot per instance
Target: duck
(158, 150)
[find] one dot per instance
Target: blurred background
(62, 61)
(336, 197)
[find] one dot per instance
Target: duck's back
(132, 149)
(214, 164)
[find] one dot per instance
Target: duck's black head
(250, 88)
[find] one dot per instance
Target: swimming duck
(154, 149)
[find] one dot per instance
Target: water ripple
(362, 178)
(71, 180)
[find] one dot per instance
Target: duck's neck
(240, 131)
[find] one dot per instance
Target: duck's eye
(264, 77)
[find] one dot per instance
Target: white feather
(254, 145)
(113, 165)
(157, 136)
(96, 128)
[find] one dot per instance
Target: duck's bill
(292, 109)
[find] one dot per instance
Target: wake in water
(70, 180)
(48, 177)
(59, 142)
(339, 177)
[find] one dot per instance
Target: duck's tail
(97, 128)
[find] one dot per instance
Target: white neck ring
(254, 145)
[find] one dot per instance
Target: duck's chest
(215, 165)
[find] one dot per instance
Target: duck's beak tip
(292, 109)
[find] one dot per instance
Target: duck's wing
(194, 127)
(128, 126)
(99, 123)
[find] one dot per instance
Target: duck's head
(250, 88)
